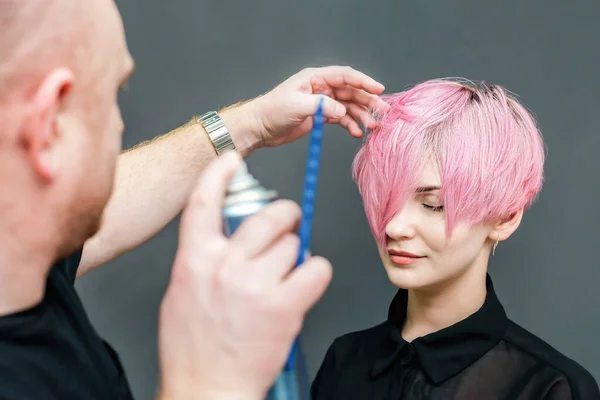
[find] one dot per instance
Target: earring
(494, 247)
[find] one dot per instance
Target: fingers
(307, 283)
(202, 218)
(260, 230)
(351, 126)
(362, 114)
(308, 103)
(346, 76)
(362, 98)
(279, 259)
(353, 95)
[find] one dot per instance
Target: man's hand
(234, 305)
(284, 114)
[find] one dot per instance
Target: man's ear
(503, 229)
(41, 130)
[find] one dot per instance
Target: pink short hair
(488, 149)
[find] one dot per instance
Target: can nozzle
(241, 180)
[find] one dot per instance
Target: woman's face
(419, 253)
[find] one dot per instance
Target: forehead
(112, 32)
(430, 175)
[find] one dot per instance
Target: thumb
(331, 108)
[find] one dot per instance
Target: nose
(400, 226)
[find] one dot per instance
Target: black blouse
(485, 356)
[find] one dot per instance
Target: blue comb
(286, 387)
(311, 178)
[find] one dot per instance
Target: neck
(24, 269)
(432, 309)
(29, 235)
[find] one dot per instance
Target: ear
(503, 229)
(40, 133)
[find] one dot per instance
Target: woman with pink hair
(445, 177)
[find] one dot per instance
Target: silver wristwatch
(217, 132)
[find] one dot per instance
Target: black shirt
(51, 351)
(485, 356)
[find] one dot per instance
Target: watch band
(217, 132)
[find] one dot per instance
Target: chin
(94, 226)
(405, 278)
(419, 275)
(81, 225)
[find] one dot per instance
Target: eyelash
(432, 208)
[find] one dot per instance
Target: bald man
(62, 63)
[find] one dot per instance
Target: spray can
(246, 196)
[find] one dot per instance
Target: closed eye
(433, 208)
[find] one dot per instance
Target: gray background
(198, 55)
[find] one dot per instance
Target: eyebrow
(425, 189)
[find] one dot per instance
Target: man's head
(62, 63)
(450, 170)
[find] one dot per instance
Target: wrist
(244, 125)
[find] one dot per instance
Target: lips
(401, 257)
(403, 254)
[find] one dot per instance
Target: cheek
(433, 232)
(106, 148)
(112, 133)
(117, 120)
(464, 246)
